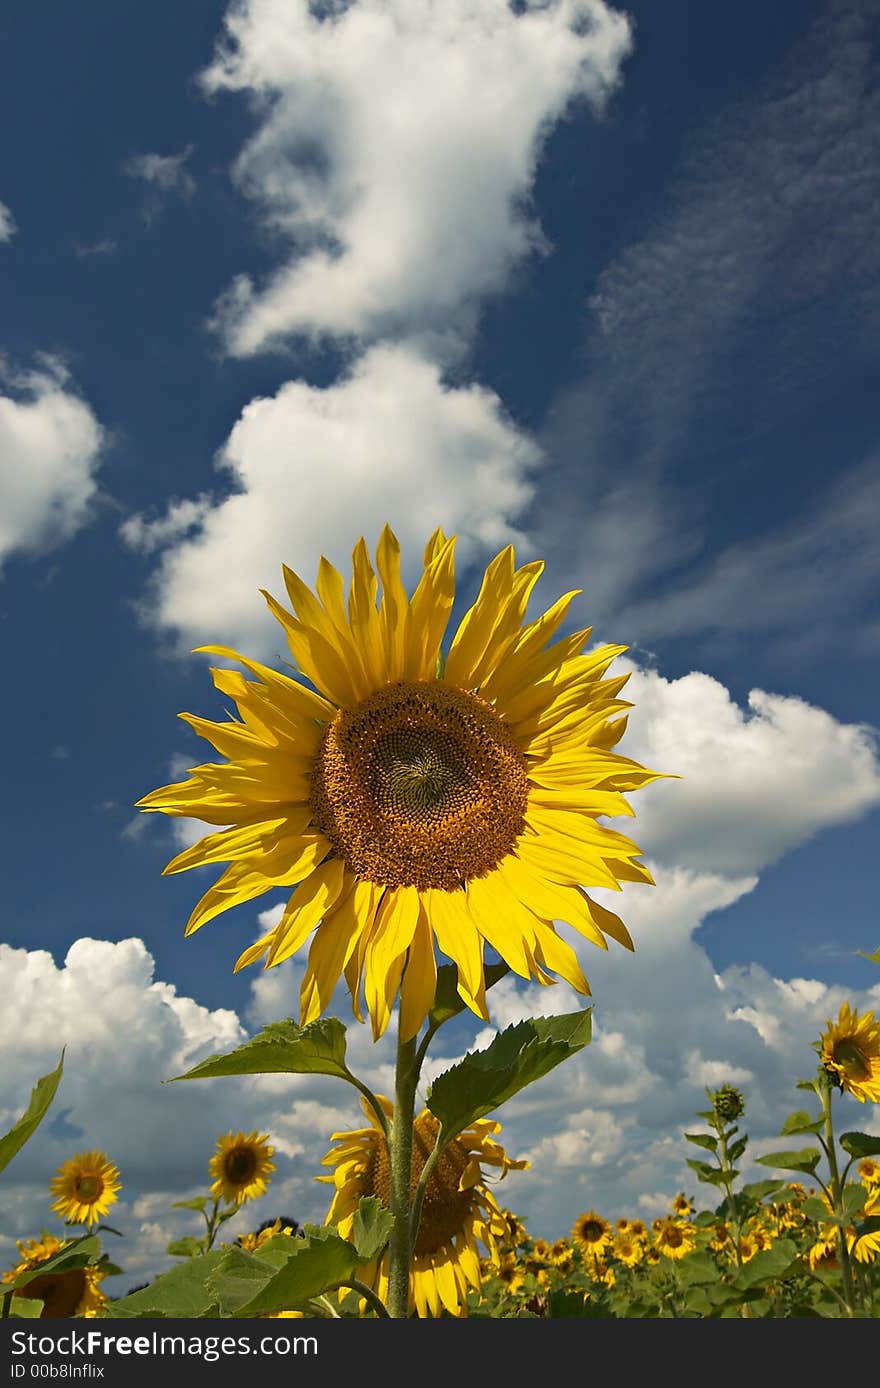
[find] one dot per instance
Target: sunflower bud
(728, 1103)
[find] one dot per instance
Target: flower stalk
(401, 1241)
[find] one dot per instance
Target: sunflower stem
(427, 1172)
(370, 1297)
(400, 1245)
(837, 1194)
(5, 1305)
(381, 1116)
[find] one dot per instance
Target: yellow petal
(310, 902)
(335, 940)
(419, 980)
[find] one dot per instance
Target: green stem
(371, 1099)
(355, 1285)
(211, 1222)
(7, 1302)
(837, 1195)
(427, 1172)
(726, 1170)
(400, 1245)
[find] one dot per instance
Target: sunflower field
(434, 810)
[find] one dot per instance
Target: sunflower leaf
(801, 1122)
(372, 1227)
(182, 1292)
(806, 1159)
(484, 1080)
(447, 1000)
(197, 1203)
(281, 1048)
(246, 1285)
(704, 1140)
(860, 1144)
(42, 1095)
(769, 1264)
(77, 1254)
(187, 1247)
(26, 1308)
(758, 1190)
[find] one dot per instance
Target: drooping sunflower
(592, 1233)
(85, 1187)
(459, 1209)
(851, 1053)
(675, 1238)
(415, 798)
(241, 1167)
(64, 1293)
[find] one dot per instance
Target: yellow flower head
(628, 1250)
(86, 1187)
(851, 1053)
(412, 800)
(241, 1167)
(251, 1242)
(593, 1233)
(869, 1172)
(681, 1206)
(675, 1238)
(65, 1293)
(459, 1210)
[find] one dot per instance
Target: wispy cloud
(163, 175)
(7, 223)
(756, 286)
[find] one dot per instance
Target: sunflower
(251, 1242)
(65, 1293)
(592, 1233)
(681, 1206)
(414, 798)
(241, 1167)
(866, 1247)
(628, 1250)
(869, 1172)
(851, 1053)
(85, 1187)
(675, 1238)
(458, 1209)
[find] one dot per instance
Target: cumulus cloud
(755, 781)
(389, 442)
(7, 223)
(50, 448)
(396, 150)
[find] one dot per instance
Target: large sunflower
(241, 1167)
(851, 1053)
(413, 798)
(69, 1292)
(458, 1210)
(86, 1187)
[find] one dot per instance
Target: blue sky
(602, 282)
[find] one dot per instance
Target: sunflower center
(88, 1188)
(673, 1237)
(852, 1059)
(420, 785)
(445, 1207)
(240, 1165)
(60, 1292)
(591, 1231)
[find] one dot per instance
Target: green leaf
(860, 1144)
(245, 1285)
(801, 1122)
(768, 1265)
(27, 1308)
(198, 1203)
(83, 1250)
(187, 1247)
(447, 1000)
(710, 1174)
(736, 1149)
(281, 1048)
(372, 1227)
(806, 1159)
(703, 1140)
(759, 1190)
(854, 1198)
(812, 1086)
(182, 1292)
(484, 1080)
(816, 1210)
(563, 1304)
(698, 1267)
(42, 1095)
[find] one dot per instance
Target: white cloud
(397, 149)
(162, 175)
(50, 446)
(754, 782)
(179, 520)
(313, 468)
(7, 223)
